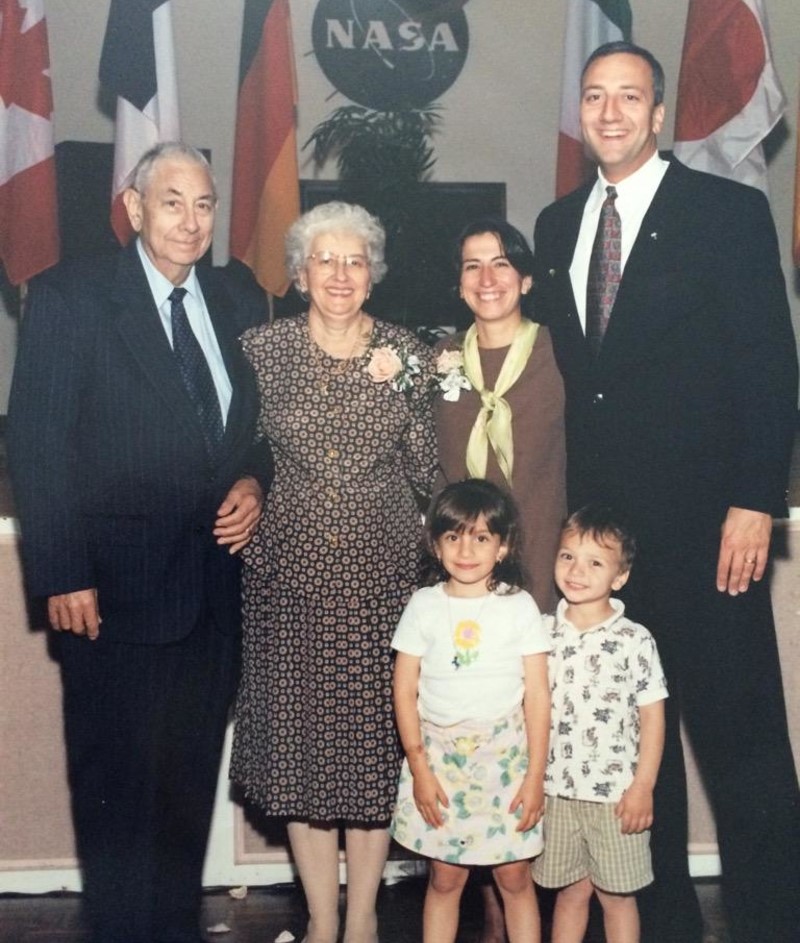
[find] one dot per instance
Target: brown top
(539, 488)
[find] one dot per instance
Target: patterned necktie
(604, 271)
(195, 373)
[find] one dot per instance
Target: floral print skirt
(480, 766)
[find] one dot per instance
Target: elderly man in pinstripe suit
(131, 514)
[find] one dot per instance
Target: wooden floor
(265, 913)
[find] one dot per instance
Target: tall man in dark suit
(136, 481)
(680, 412)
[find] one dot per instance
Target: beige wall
(500, 117)
(36, 845)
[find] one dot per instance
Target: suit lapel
(140, 327)
(218, 303)
(636, 320)
(569, 223)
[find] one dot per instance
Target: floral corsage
(450, 376)
(398, 366)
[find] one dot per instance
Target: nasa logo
(387, 55)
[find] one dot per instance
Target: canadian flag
(590, 23)
(729, 95)
(29, 239)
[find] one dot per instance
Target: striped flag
(590, 23)
(138, 66)
(29, 238)
(796, 234)
(729, 95)
(266, 192)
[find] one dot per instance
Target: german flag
(266, 193)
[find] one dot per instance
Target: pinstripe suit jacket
(112, 483)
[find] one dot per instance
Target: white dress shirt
(199, 321)
(634, 196)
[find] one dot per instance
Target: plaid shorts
(583, 839)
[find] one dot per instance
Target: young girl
(473, 709)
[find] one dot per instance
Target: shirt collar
(638, 187)
(616, 604)
(160, 286)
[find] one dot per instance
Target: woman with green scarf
(500, 411)
(500, 415)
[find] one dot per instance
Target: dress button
(332, 453)
(333, 540)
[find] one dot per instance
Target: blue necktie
(195, 373)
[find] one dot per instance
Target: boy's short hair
(602, 523)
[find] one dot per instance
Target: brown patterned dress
(327, 575)
(539, 476)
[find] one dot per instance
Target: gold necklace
(325, 373)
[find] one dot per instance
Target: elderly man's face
(174, 216)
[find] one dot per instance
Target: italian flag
(266, 189)
(590, 23)
(729, 95)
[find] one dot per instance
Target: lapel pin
(552, 272)
(654, 235)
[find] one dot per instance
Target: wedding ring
(747, 560)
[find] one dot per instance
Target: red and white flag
(590, 23)
(138, 66)
(266, 189)
(29, 238)
(729, 95)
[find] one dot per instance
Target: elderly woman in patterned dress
(346, 408)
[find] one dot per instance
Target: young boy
(606, 735)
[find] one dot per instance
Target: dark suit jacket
(112, 482)
(691, 404)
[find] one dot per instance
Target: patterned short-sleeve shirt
(599, 678)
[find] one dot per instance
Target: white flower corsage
(450, 374)
(400, 367)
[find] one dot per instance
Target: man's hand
(743, 549)
(238, 514)
(75, 612)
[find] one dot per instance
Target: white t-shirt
(471, 651)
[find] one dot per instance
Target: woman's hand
(239, 514)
